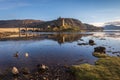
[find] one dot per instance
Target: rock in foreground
(91, 42)
(100, 49)
(100, 52)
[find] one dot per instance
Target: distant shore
(9, 30)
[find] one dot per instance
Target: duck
(26, 54)
(15, 71)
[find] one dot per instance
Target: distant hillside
(60, 24)
(111, 27)
(92, 27)
(66, 24)
(17, 23)
(115, 25)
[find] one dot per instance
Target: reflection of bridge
(59, 37)
(25, 29)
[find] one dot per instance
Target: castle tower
(63, 22)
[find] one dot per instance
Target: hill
(90, 27)
(111, 27)
(66, 24)
(114, 25)
(17, 23)
(60, 24)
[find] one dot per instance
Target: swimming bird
(15, 71)
(26, 54)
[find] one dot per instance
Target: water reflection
(59, 37)
(54, 48)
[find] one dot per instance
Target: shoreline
(54, 72)
(99, 71)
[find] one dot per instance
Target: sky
(94, 12)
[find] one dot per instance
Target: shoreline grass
(100, 55)
(107, 68)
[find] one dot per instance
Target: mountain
(60, 24)
(111, 27)
(66, 24)
(17, 23)
(115, 25)
(92, 27)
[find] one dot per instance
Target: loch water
(55, 48)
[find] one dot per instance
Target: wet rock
(26, 54)
(45, 78)
(91, 42)
(118, 55)
(81, 39)
(109, 51)
(100, 49)
(102, 39)
(54, 72)
(100, 52)
(15, 71)
(67, 70)
(16, 54)
(82, 43)
(117, 52)
(25, 71)
(42, 67)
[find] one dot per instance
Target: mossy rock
(91, 42)
(100, 49)
(99, 55)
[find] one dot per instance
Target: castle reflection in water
(59, 37)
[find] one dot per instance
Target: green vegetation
(107, 68)
(100, 55)
(70, 29)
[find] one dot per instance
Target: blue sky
(88, 11)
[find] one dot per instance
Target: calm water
(55, 48)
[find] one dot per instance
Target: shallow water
(55, 48)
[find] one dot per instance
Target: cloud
(10, 4)
(93, 16)
(98, 24)
(113, 22)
